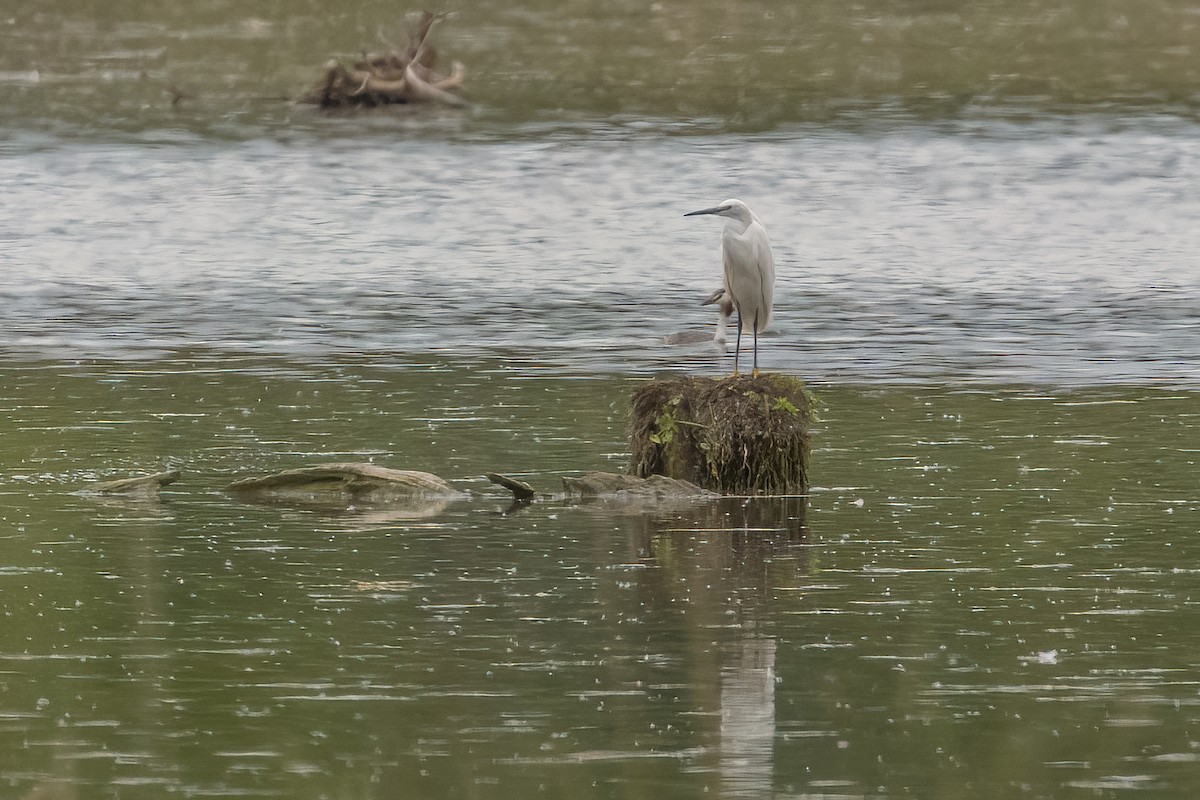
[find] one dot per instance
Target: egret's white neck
(738, 224)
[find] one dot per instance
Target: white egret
(749, 270)
(724, 310)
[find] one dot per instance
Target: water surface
(984, 221)
(986, 588)
(1003, 255)
(537, 65)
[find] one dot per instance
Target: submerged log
(741, 435)
(344, 485)
(142, 485)
(610, 486)
(388, 78)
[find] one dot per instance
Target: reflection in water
(748, 545)
(149, 505)
(728, 557)
(748, 717)
(367, 515)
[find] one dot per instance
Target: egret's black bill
(713, 210)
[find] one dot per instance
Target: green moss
(785, 406)
(665, 424)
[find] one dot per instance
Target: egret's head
(734, 209)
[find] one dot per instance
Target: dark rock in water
(143, 485)
(741, 435)
(344, 485)
(628, 487)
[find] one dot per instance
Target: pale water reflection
(748, 718)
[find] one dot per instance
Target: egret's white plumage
(749, 270)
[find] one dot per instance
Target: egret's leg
(754, 372)
(738, 347)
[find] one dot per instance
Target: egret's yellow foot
(754, 373)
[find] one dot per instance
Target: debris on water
(521, 490)
(346, 485)
(613, 486)
(523, 493)
(1048, 657)
(382, 587)
(391, 78)
(138, 486)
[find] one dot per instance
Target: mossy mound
(739, 435)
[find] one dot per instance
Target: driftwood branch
(143, 485)
(392, 78)
(421, 90)
(522, 491)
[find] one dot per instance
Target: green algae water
(984, 226)
(987, 587)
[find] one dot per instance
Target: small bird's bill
(713, 210)
(714, 297)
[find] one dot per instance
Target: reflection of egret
(748, 716)
(749, 270)
(725, 309)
